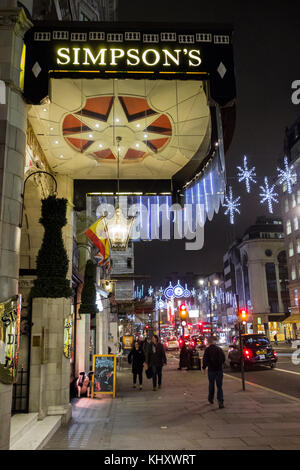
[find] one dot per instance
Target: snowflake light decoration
(150, 291)
(232, 205)
(246, 174)
(206, 292)
(268, 194)
(287, 175)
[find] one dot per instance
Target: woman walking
(137, 358)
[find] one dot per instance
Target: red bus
(202, 328)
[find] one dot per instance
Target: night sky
(266, 48)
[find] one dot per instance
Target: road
(285, 378)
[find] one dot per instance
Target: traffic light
(183, 313)
(243, 315)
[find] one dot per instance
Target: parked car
(257, 349)
(184, 339)
(200, 341)
(171, 343)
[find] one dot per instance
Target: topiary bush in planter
(52, 260)
(88, 294)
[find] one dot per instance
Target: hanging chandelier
(119, 227)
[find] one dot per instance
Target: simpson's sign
(119, 50)
(103, 56)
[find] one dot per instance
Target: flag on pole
(97, 233)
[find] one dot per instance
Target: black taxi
(257, 349)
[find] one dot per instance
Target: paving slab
(178, 417)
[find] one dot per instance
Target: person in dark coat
(137, 358)
(146, 349)
(184, 358)
(214, 359)
(157, 358)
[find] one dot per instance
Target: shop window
(293, 272)
(288, 227)
(283, 279)
(298, 245)
(296, 297)
(298, 196)
(272, 287)
(291, 249)
(293, 200)
(296, 225)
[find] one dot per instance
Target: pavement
(179, 417)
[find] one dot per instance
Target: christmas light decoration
(246, 174)
(287, 175)
(232, 205)
(268, 194)
(150, 291)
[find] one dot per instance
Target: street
(179, 417)
(285, 378)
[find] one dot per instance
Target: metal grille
(20, 398)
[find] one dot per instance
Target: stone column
(13, 25)
(83, 323)
(280, 303)
(102, 328)
(50, 369)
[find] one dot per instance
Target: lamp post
(24, 187)
(119, 227)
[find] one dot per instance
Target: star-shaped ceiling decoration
(93, 129)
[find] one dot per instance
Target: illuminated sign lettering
(133, 57)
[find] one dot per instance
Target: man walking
(157, 358)
(214, 359)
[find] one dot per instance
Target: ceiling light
(117, 120)
(56, 142)
(90, 136)
(44, 109)
(138, 125)
(51, 128)
(61, 156)
(145, 136)
(100, 145)
(97, 125)
(137, 145)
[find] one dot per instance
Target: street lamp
(24, 187)
(201, 282)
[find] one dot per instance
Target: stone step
(21, 423)
(38, 434)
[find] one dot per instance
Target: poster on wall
(127, 341)
(68, 336)
(104, 377)
(10, 318)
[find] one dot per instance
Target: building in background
(71, 10)
(290, 210)
(255, 269)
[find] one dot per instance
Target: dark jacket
(185, 357)
(147, 349)
(213, 358)
(157, 355)
(137, 358)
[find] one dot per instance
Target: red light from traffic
(247, 353)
